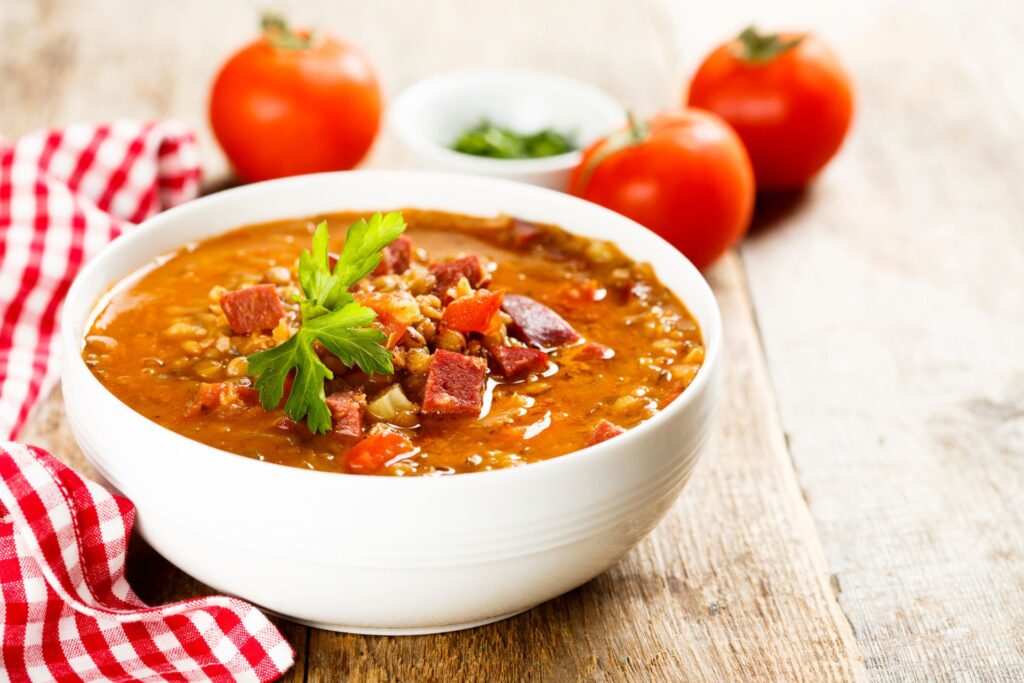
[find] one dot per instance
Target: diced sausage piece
(252, 309)
(632, 289)
(477, 312)
(593, 350)
(535, 323)
(513, 362)
(604, 431)
(524, 233)
(396, 257)
(381, 446)
(455, 384)
(346, 414)
(448, 275)
(299, 429)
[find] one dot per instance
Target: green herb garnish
(487, 140)
(331, 316)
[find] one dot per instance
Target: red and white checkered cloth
(67, 611)
(64, 194)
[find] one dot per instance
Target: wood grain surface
(877, 345)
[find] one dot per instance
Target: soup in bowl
(520, 380)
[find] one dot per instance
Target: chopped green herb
(487, 140)
(331, 316)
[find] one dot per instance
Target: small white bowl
(383, 554)
(430, 115)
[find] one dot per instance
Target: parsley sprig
(331, 316)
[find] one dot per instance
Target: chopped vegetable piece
(330, 316)
(395, 312)
(580, 294)
(448, 275)
(592, 350)
(487, 140)
(346, 414)
(535, 323)
(604, 431)
(513, 362)
(390, 403)
(252, 309)
(478, 312)
(214, 395)
(455, 384)
(382, 446)
(396, 258)
(207, 398)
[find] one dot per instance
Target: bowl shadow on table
(549, 642)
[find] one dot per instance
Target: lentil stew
(511, 342)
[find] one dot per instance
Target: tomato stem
(636, 132)
(280, 35)
(761, 48)
(637, 129)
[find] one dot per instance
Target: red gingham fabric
(68, 613)
(64, 194)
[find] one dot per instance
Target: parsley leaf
(326, 291)
(330, 316)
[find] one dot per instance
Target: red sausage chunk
(299, 429)
(455, 384)
(604, 431)
(515, 363)
(535, 323)
(525, 234)
(448, 275)
(396, 257)
(346, 414)
(252, 309)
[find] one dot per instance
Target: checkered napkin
(64, 194)
(66, 610)
(68, 613)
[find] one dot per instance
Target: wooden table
(860, 511)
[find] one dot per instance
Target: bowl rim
(409, 102)
(711, 333)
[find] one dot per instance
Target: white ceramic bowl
(382, 554)
(430, 115)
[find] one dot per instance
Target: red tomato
(685, 176)
(787, 97)
(394, 313)
(477, 312)
(295, 102)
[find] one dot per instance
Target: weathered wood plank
(732, 586)
(891, 304)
